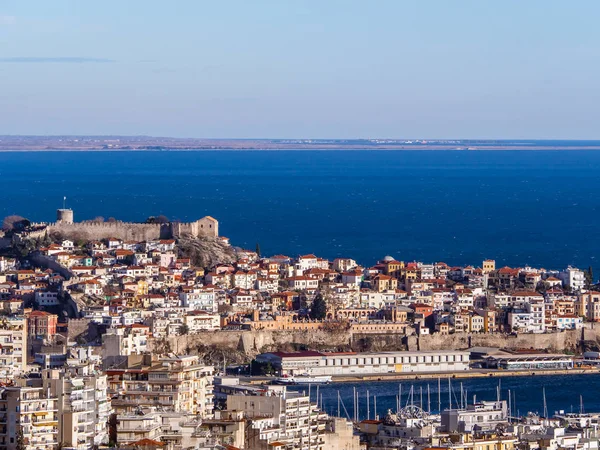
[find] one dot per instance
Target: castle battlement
(206, 226)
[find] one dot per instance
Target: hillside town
(85, 358)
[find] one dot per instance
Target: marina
(368, 400)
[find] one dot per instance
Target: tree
(14, 223)
(111, 220)
(98, 219)
(20, 443)
(318, 309)
(184, 329)
(258, 368)
(542, 287)
(157, 219)
(589, 277)
(258, 249)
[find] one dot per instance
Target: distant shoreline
(300, 149)
(110, 143)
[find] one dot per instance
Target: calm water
(520, 207)
(562, 392)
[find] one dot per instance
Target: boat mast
(509, 406)
(375, 407)
(545, 406)
(354, 402)
(439, 395)
(428, 400)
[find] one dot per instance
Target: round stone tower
(64, 215)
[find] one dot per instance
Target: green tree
(14, 223)
(184, 329)
(258, 249)
(589, 277)
(258, 368)
(20, 444)
(318, 309)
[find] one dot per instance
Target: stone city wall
(134, 231)
(254, 342)
(118, 230)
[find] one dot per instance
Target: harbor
(563, 392)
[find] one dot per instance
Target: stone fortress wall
(207, 226)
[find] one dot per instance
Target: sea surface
(540, 208)
(563, 392)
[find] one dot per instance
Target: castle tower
(64, 215)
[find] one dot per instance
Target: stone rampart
(554, 342)
(254, 342)
(118, 230)
(207, 226)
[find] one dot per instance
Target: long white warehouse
(317, 363)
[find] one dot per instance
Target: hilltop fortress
(207, 226)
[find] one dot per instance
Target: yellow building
(489, 265)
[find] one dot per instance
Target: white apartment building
(83, 405)
(13, 347)
(177, 384)
(197, 299)
(573, 278)
(281, 416)
(30, 410)
(46, 298)
(198, 321)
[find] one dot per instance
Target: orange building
(41, 324)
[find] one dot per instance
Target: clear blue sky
(322, 68)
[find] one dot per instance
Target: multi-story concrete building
(30, 411)
(279, 416)
(83, 405)
(13, 347)
(179, 384)
(588, 305)
(483, 415)
(573, 278)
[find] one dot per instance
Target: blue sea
(563, 392)
(540, 208)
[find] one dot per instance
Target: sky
(509, 69)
